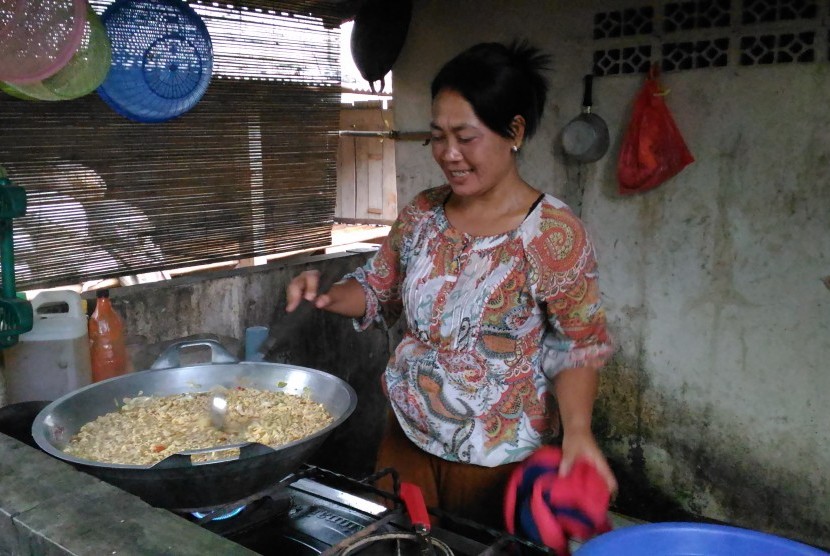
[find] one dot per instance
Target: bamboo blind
(250, 170)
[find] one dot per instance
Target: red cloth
(551, 510)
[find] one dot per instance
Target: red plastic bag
(652, 149)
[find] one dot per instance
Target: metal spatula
(218, 411)
(219, 416)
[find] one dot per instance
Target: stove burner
(225, 515)
(316, 512)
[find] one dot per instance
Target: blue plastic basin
(692, 539)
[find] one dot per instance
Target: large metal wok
(177, 482)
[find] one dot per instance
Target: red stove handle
(413, 500)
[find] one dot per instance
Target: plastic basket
(14, 92)
(701, 539)
(38, 37)
(81, 76)
(162, 59)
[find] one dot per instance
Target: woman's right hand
(305, 286)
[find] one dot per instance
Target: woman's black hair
(500, 82)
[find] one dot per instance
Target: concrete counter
(48, 508)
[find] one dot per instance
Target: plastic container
(38, 37)
(53, 358)
(698, 539)
(107, 342)
(255, 337)
(80, 76)
(162, 59)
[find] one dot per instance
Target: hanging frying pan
(378, 35)
(585, 138)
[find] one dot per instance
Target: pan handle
(413, 499)
(588, 93)
(170, 358)
(183, 459)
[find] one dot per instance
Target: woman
(497, 284)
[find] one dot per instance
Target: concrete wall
(717, 283)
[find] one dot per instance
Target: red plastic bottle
(107, 343)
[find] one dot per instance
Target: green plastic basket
(11, 91)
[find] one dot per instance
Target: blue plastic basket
(162, 59)
(699, 539)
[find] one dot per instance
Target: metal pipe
(391, 134)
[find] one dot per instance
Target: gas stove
(317, 511)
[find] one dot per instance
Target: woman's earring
(514, 149)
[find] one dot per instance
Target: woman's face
(473, 157)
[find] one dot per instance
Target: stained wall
(716, 283)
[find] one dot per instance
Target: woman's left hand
(576, 390)
(582, 445)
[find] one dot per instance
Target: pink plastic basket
(38, 37)
(80, 76)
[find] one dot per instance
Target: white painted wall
(716, 283)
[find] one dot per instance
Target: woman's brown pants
(465, 490)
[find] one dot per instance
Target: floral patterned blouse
(489, 321)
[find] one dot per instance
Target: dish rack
(15, 314)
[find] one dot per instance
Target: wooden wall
(366, 185)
